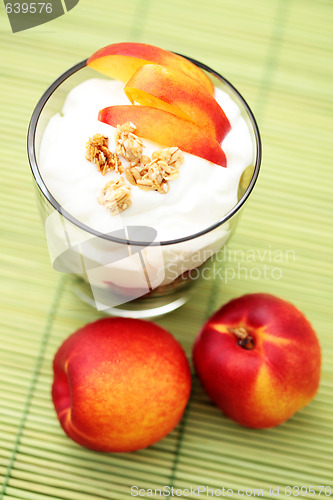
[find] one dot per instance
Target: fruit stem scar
(244, 338)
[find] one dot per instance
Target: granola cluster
(128, 144)
(99, 153)
(116, 196)
(144, 172)
(154, 174)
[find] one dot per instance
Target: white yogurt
(203, 193)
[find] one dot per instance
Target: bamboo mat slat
(279, 55)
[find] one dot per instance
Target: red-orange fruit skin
(171, 90)
(121, 60)
(267, 385)
(166, 129)
(120, 384)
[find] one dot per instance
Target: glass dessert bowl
(137, 254)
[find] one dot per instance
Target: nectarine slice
(121, 60)
(168, 89)
(167, 129)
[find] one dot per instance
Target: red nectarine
(120, 384)
(259, 360)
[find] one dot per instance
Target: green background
(278, 53)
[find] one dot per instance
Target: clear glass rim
(49, 197)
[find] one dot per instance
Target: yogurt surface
(202, 194)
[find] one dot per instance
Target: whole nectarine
(120, 384)
(259, 360)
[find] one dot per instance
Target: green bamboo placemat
(279, 55)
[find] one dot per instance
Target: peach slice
(167, 129)
(170, 90)
(121, 60)
(259, 360)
